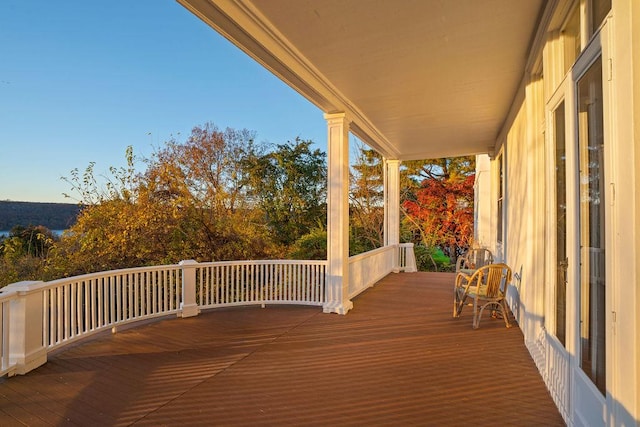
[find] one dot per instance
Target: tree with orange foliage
(441, 207)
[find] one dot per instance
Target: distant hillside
(54, 216)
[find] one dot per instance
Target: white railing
(407, 258)
(557, 375)
(81, 305)
(367, 268)
(38, 317)
(221, 284)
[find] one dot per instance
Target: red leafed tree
(441, 208)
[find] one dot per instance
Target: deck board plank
(397, 358)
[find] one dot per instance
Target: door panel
(592, 224)
(562, 262)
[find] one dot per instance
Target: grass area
(425, 257)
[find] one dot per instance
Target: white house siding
(524, 211)
(518, 213)
(625, 117)
(631, 257)
(527, 228)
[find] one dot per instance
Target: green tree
(289, 185)
(35, 241)
(23, 254)
(366, 201)
(312, 245)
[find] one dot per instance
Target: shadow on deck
(398, 358)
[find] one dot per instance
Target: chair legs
(458, 303)
(476, 315)
(505, 314)
(501, 305)
(486, 286)
(455, 303)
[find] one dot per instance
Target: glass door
(562, 262)
(592, 224)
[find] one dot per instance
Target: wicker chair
(474, 258)
(487, 286)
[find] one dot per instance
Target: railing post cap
(188, 262)
(24, 286)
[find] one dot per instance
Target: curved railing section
(221, 284)
(81, 305)
(38, 317)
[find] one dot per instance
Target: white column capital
(335, 117)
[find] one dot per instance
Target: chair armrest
(462, 280)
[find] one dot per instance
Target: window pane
(500, 197)
(571, 39)
(561, 224)
(592, 225)
(599, 9)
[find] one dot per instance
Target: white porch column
(482, 203)
(337, 215)
(392, 202)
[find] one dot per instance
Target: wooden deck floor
(398, 358)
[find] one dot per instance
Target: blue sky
(82, 80)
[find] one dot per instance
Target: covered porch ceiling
(417, 78)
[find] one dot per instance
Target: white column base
(189, 310)
(338, 308)
(28, 362)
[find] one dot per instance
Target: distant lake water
(6, 233)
